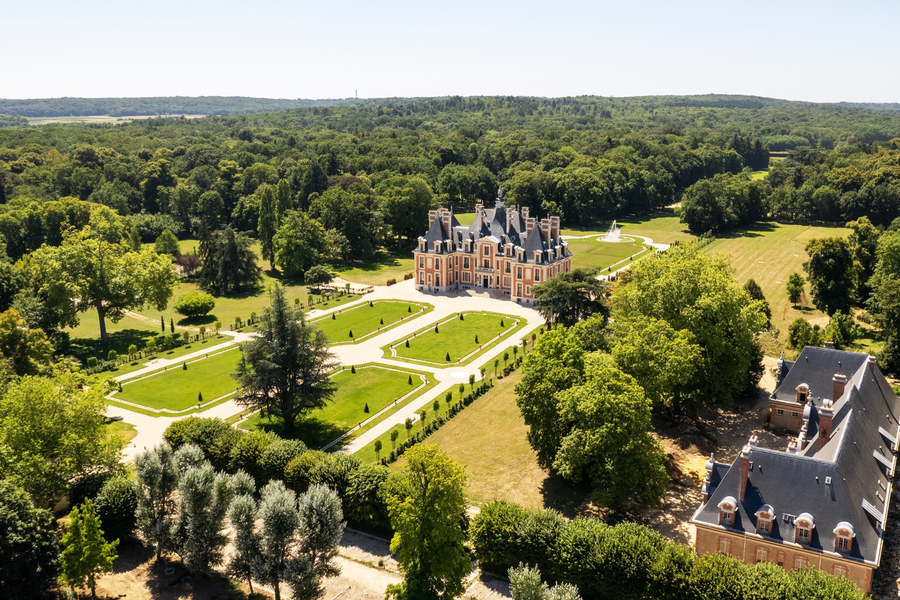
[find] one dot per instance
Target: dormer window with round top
(843, 537)
(803, 526)
(727, 508)
(764, 518)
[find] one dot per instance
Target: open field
(769, 253)
(594, 253)
(488, 439)
(102, 119)
(456, 337)
(364, 320)
(387, 264)
(372, 385)
(178, 389)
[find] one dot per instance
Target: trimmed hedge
(629, 561)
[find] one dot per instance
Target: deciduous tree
(571, 296)
(29, 545)
(830, 273)
(86, 555)
(426, 504)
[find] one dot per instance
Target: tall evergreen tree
(229, 264)
(284, 370)
(268, 224)
(157, 478)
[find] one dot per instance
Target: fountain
(613, 234)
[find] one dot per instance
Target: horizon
(822, 52)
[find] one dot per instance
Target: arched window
(803, 528)
(843, 537)
(727, 508)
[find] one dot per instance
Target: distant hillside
(120, 107)
(11, 121)
(872, 105)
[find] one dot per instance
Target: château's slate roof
(498, 226)
(832, 483)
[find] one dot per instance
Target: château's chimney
(524, 212)
(745, 465)
(872, 361)
(554, 227)
(829, 344)
(545, 228)
(839, 382)
(446, 219)
(432, 215)
(826, 414)
(479, 210)
(529, 225)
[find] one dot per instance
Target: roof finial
(500, 195)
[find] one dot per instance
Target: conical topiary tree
(408, 381)
(353, 368)
(381, 322)
(333, 318)
(366, 408)
(199, 397)
(476, 339)
(184, 366)
(409, 309)
(351, 333)
(448, 357)
(436, 329)
(407, 343)
(502, 324)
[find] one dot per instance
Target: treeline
(163, 105)
(12, 121)
(810, 185)
(628, 560)
(370, 171)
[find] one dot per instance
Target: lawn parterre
(376, 386)
(176, 389)
(366, 320)
(462, 339)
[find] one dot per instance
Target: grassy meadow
(593, 253)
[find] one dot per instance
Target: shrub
(214, 437)
(87, 487)
(116, 505)
(276, 457)
(195, 304)
(92, 362)
(247, 453)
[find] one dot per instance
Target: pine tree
(86, 554)
(268, 224)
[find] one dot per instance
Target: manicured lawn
(387, 264)
(375, 386)
(769, 253)
(489, 439)
(363, 320)
(209, 342)
(663, 227)
(178, 389)
(594, 253)
(454, 337)
(125, 430)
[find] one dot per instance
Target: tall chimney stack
(871, 361)
(826, 414)
(432, 215)
(839, 383)
(745, 464)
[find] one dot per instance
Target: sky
(820, 50)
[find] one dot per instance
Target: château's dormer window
(727, 508)
(803, 527)
(765, 516)
(843, 537)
